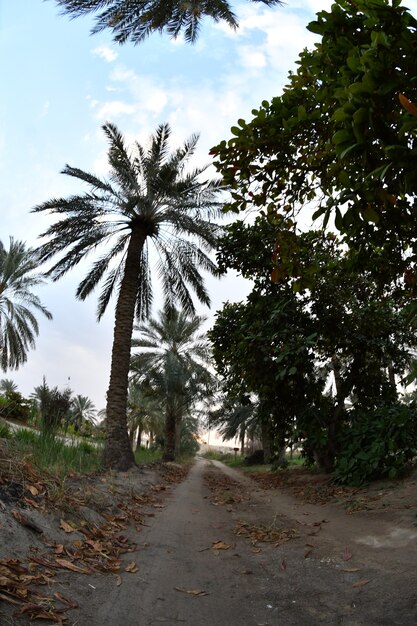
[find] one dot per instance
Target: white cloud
(252, 57)
(114, 108)
(106, 53)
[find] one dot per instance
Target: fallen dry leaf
(118, 580)
(66, 527)
(221, 545)
(72, 604)
(360, 583)
(33, 490)
(132, 567)
(71, 566)
(350, 569)
(192, 592)
(283, 565)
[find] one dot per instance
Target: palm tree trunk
(117, 453)
(169, 444)
(132, 435)
(139, 437)
(178, 426)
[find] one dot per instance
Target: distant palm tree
(18, 324)
(174, 360)
(82, 410)
(144, 413)
(149, 198)
(7, 385)
(134, 20)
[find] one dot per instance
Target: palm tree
(134, 20)
(18, 324)
(52, 406)
(149, 199)
(143, 412)
(173, 359)
(7, 386)
(82, 410)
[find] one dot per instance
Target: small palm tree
(52, 405)
(134, 20)
(149, 199)
(144, 412)
(82, 410)
(173, 359)
(7, 386)
(18, 324)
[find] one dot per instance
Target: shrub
(5, 431)
(14, 406)
(377, 444)
(26, 437)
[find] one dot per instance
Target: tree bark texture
(169, 444)
(118, 452)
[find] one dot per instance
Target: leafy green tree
(355, 329)
(265, 347)
(18, 324)
(340, 138)
(173, 359)
(134, 20)
(363, 339)
(12, 404)
(150, 198)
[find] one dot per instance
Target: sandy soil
(214, 548)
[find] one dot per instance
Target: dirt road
(223, 553)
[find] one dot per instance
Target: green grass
(147, 455)
(51, 453)
(5, 431)
(238, 462)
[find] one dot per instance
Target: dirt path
(217, 549)
(224, 552)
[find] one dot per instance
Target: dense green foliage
(14, 406)
(339, 138)
(278, 352)
(339, 145)
(379, 443)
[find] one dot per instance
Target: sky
(59, 85)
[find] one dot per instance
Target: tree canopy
(134, 20)
(18, 304)
(340, 142)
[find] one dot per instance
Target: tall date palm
(134, 20)
(149, 197)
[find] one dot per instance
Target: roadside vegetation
(321, 356)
